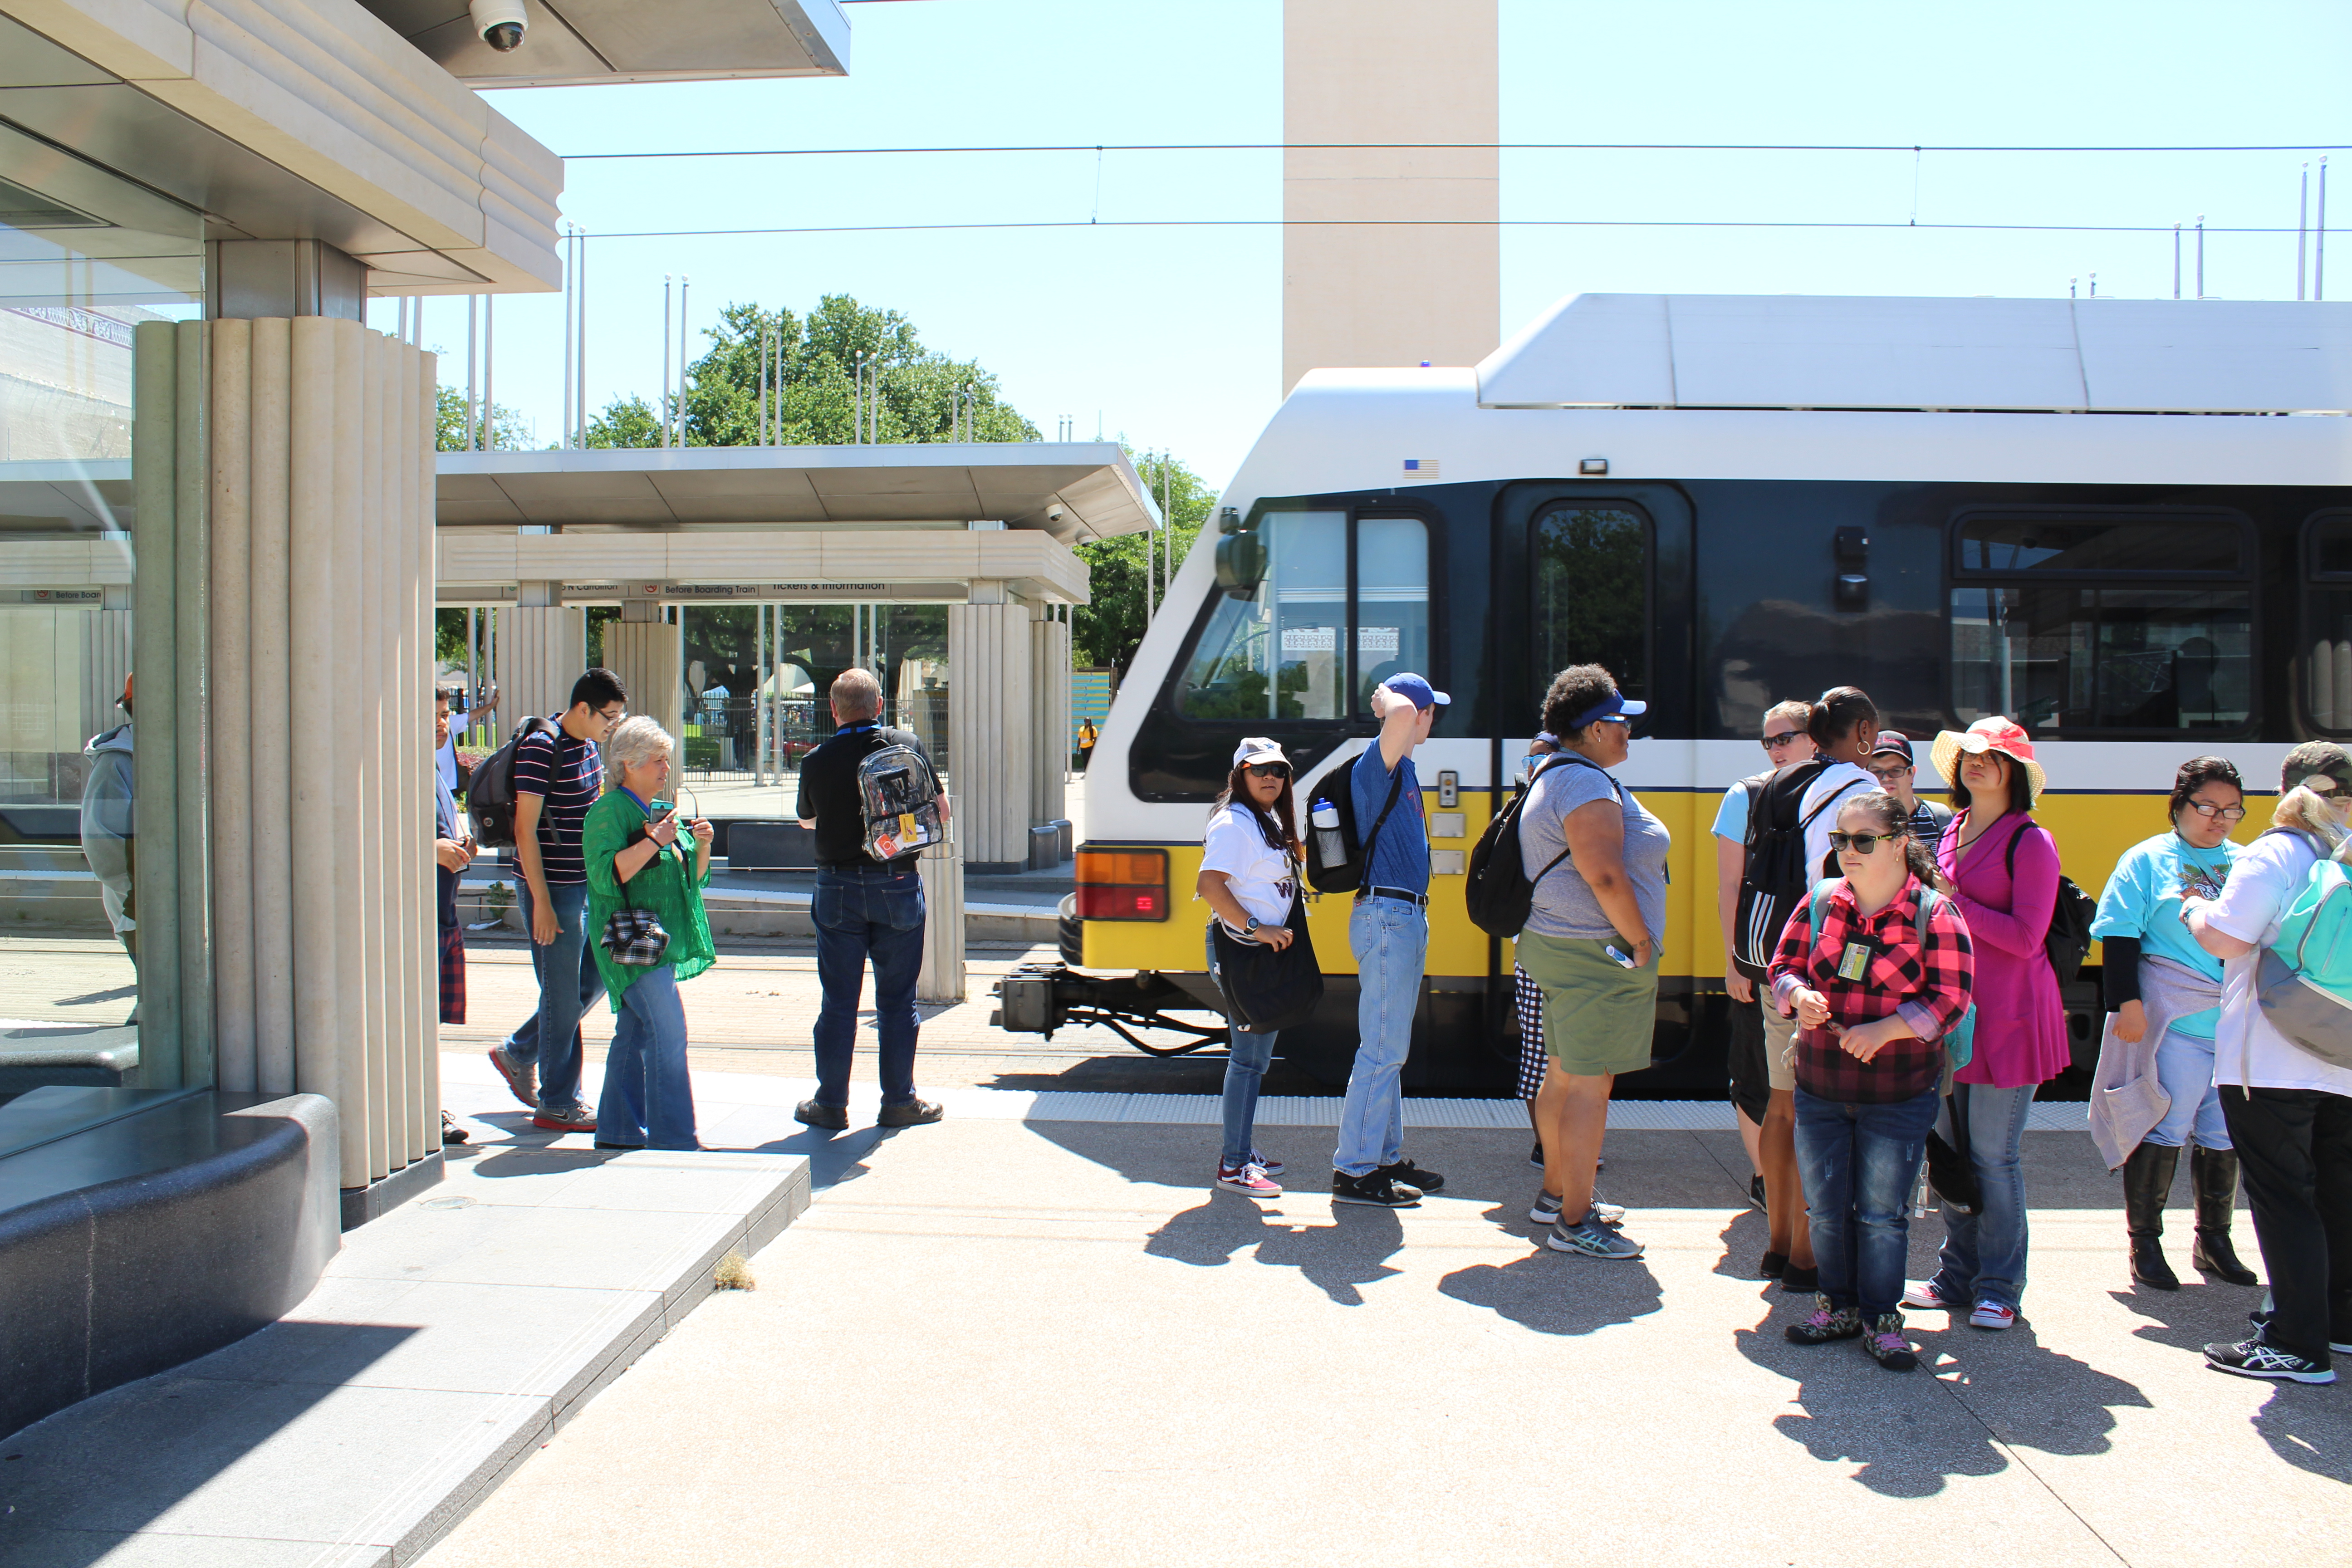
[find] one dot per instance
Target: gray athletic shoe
(1591, 1238)
(1545, 1210)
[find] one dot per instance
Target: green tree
(509, 431)
(1107, 630)
(815, 402)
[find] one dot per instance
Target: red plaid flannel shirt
(1924, 974)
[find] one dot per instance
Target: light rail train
(2127, 524)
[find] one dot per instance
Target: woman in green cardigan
(634, 860)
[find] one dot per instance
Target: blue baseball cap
(1419, 691)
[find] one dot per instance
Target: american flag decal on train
(1420, 468)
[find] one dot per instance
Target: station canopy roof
(1077, 492)
(2087, 356)
(589, 41)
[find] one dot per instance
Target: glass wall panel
(1277, 653)
(1592, 594)
(85, 258)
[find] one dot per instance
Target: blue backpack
(1960, 1040)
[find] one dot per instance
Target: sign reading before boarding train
(954, 593)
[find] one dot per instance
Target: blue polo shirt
(1400, 856)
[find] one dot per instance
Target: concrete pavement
(1051, 1342)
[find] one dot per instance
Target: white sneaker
(1989, 1314)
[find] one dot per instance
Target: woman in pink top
(2004, 866)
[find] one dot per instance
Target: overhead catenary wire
(1792, 224)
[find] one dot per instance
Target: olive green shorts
(1599, 1015)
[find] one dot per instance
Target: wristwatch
(1250, 929)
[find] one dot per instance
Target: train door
(1593, 574)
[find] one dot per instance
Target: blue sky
(1172, 336)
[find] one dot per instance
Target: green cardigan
(666, 886)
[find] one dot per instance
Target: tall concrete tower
(1358, 287)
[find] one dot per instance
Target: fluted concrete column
(941, 978)
(105, 660)
(1049, 688)
(991, 724)
(645, 655)
(542, 648)
(320, 574)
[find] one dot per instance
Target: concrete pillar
(1357, 288)
(647, 656)
(542, 648)
(941, 978)
(1049, 770)
(105, 660)
(319, 574)
(991, 724)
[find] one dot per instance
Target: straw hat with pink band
(1991, 734)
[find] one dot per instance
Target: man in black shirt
(864, 908)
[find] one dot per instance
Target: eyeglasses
(1268, 770)
(1774, 742)
(1888, 775)
(2218, 812)
(1614, 718)
(614, 717)
(1860, 843)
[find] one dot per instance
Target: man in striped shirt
(557, 778)
(1891, 764)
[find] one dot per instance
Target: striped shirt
(564, 773)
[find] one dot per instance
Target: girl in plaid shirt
(1872, 997)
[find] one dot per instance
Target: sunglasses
(1861, 843)
(1268, 770)
(2216, 813)
(1774, 742)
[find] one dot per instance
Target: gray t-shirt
(1564, 904)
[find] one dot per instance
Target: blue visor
(1616, 706)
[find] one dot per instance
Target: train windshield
(1283, 652)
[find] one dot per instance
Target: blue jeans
(569, 984)
(1244, 1074)
(1984, 1253)
(1860, 1164)
(863, 911)
(1390, 939)
(648, 1100)
(2184, 1065)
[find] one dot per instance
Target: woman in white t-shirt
(2290, 1113)
(1249, 874)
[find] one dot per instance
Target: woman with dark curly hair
(1597, 862)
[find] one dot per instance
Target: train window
(2328, 621)
(2100, 544)
(2063, 658)
(1391, 601)
(1592, 584)
(1277, 653)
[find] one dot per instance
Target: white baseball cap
(1258, 749)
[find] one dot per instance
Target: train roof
(1778, 352)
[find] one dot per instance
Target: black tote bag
(1264, 990)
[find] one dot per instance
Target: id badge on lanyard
(1854, 963)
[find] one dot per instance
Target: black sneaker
(1800, 1281)
(830, 1118)
(1412, 1175)
(2253, 1358)
(1826, 1323)
(1377, 1189)
(913, 1113)
(1756, 1191)
(1883, 1338)
(1536, 1159)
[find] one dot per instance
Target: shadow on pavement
(833, 1157)
(1337, 1258)
(2306, 1433)
(1529, 1292)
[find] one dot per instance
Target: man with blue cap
(1389, 930)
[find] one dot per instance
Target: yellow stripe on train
(2092, 830)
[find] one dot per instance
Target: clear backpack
(901, 799)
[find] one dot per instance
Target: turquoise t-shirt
(1731, 816)
(2142, 899)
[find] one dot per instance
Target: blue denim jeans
(1244, 1074)
(648, 1100)
(1391, 939)
(1860, 1164)
(861, 912)
(2184, 1065)
(569, 984)
(1984, 1253)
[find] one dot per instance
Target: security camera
(499, 22)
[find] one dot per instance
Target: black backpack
(1335, 858)
(2068, 939)
(491, 795)
(1498, 892)
(1777, 879)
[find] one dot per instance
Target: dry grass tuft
(735, 1274)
